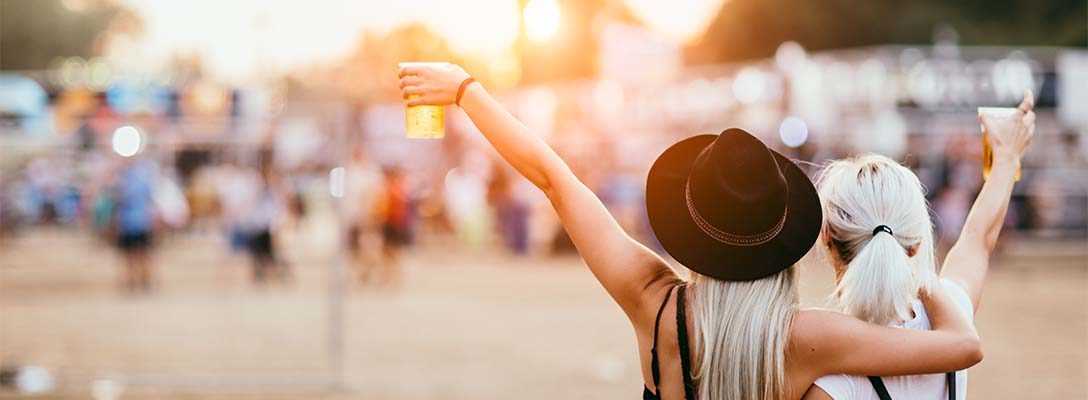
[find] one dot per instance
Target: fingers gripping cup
(997, 117)
(424, 122)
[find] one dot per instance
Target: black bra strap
(654, 370)
(951, 379)
(682, 338)
(878, 385)
(882, 392)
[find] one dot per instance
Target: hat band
(729, 238)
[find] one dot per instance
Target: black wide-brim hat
(728, 207)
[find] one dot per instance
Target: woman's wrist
(1001, 157)
(470, 90)
(1005, 165)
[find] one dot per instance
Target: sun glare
(240, 37)
(683, 23)
(541, 20)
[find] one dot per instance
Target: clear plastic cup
(994, 116)
(424, 122)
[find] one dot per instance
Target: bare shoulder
(817, 323)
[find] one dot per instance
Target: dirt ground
(465, 326)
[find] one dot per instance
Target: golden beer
(424, 122)
(995, 116)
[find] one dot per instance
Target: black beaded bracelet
(461, 89)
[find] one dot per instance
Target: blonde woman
(879, 240)
(737, 214)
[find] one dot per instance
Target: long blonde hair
(741, 335)
(878, 277)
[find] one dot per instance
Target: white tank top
(921, 387)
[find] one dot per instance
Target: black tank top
(682, 339)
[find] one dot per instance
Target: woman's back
(806, 357)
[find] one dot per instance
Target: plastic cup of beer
(1004, 117)
(424, 122)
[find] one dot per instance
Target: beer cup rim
(998, 111)
(420, 63)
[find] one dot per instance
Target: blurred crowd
(248, 164)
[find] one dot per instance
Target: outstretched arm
(626, 268)
(969, 259)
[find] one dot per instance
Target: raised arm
(969, 259)
(840, 344)
(627, 269)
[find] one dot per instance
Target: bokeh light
(33, 379)
(789, 55)
(750, 86)
(336, 182)
(127, 141)
(793, 131)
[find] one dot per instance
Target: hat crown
(737, 186)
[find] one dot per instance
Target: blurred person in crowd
(466, 200)
(259, 222)
(102, 210)
(34, 192)
(622, 192)
(739, 216)
(879, 239)
(1048, 205)
(511, 211)
(134, 220)
(202, 197)
(173, 207)
(951, 212)
(394, 217)
(362, 186)
(237, 188)
(7, 211)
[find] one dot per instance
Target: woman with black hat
(739, 216)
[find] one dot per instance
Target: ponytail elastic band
(461, 89)
(882, 228)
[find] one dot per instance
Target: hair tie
(882, 228)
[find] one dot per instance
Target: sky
(237, 37)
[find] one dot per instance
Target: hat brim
(683, 240)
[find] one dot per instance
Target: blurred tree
(370, 72)
(35, 32)
(747, 29)
(572, 53)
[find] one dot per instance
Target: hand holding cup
(1007, 133)
(431, 83)
(1010, 132)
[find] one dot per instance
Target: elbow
(991, 240)
(986, 238)
(970, 350)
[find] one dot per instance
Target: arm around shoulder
(836, 343)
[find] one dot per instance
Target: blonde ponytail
(877, 285)
(879, 279)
